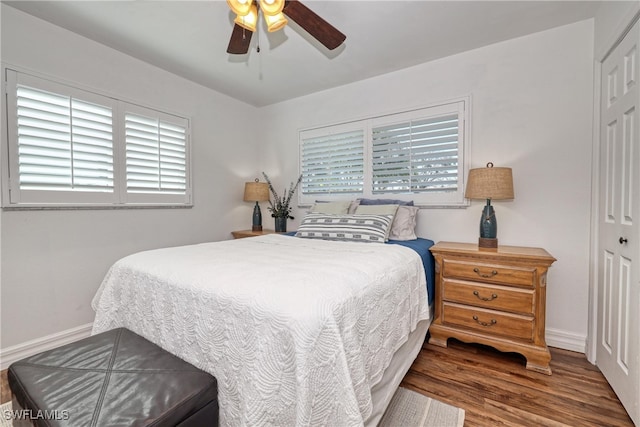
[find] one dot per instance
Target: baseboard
(29, 348)
(566, 340)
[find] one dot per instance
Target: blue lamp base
(488, 228)
(257, 218)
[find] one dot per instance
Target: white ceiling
(189, 38)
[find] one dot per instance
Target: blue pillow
(386, 202)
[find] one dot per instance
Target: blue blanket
(421, 246)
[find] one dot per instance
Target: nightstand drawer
(489, 321)
(508, 275)
(496, 297)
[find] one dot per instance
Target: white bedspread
(296, 331)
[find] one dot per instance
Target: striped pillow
(356, 227)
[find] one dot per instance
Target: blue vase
(281, 224)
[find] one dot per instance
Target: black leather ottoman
(116, 378)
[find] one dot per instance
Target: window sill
(26, 207)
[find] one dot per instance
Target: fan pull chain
(258, 40)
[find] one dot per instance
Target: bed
(296, 331)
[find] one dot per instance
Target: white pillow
(378, 210)
(338, 208)
(354, 204)
(404, 223)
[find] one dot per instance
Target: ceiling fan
(273, 12)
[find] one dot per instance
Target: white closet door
(618, 347)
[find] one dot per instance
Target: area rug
(411, 409)
(407, 409)
(5, 415)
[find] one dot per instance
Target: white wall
(532, 103)
(610, 21)
(53, 261)
(532, 111)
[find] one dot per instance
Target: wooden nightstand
(492, 297)
(248, 233)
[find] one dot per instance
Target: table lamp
(256, 192)
(491, 184)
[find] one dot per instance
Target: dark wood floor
(495, 390)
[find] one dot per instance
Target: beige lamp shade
(256, 191)
(490, 183)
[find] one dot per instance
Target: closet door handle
(622, 240)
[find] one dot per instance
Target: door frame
(599, 57)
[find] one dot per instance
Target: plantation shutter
(333, 163)
(72, 147)
(416, 156)
(64, 143)
(156, 157)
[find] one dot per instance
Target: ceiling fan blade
(320, 29)
(240, 40)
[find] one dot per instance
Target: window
(333, 161)
(70, 147)
(155, 155)
(416, 155)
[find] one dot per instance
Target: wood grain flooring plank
(495, 389)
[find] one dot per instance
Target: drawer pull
(493, 321)
(493, 296)
(486, 276)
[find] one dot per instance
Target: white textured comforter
(296, 331)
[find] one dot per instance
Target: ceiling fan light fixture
(275, 22)
(325, 33)
(240, 7)
(248, 21)
(271, 7)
